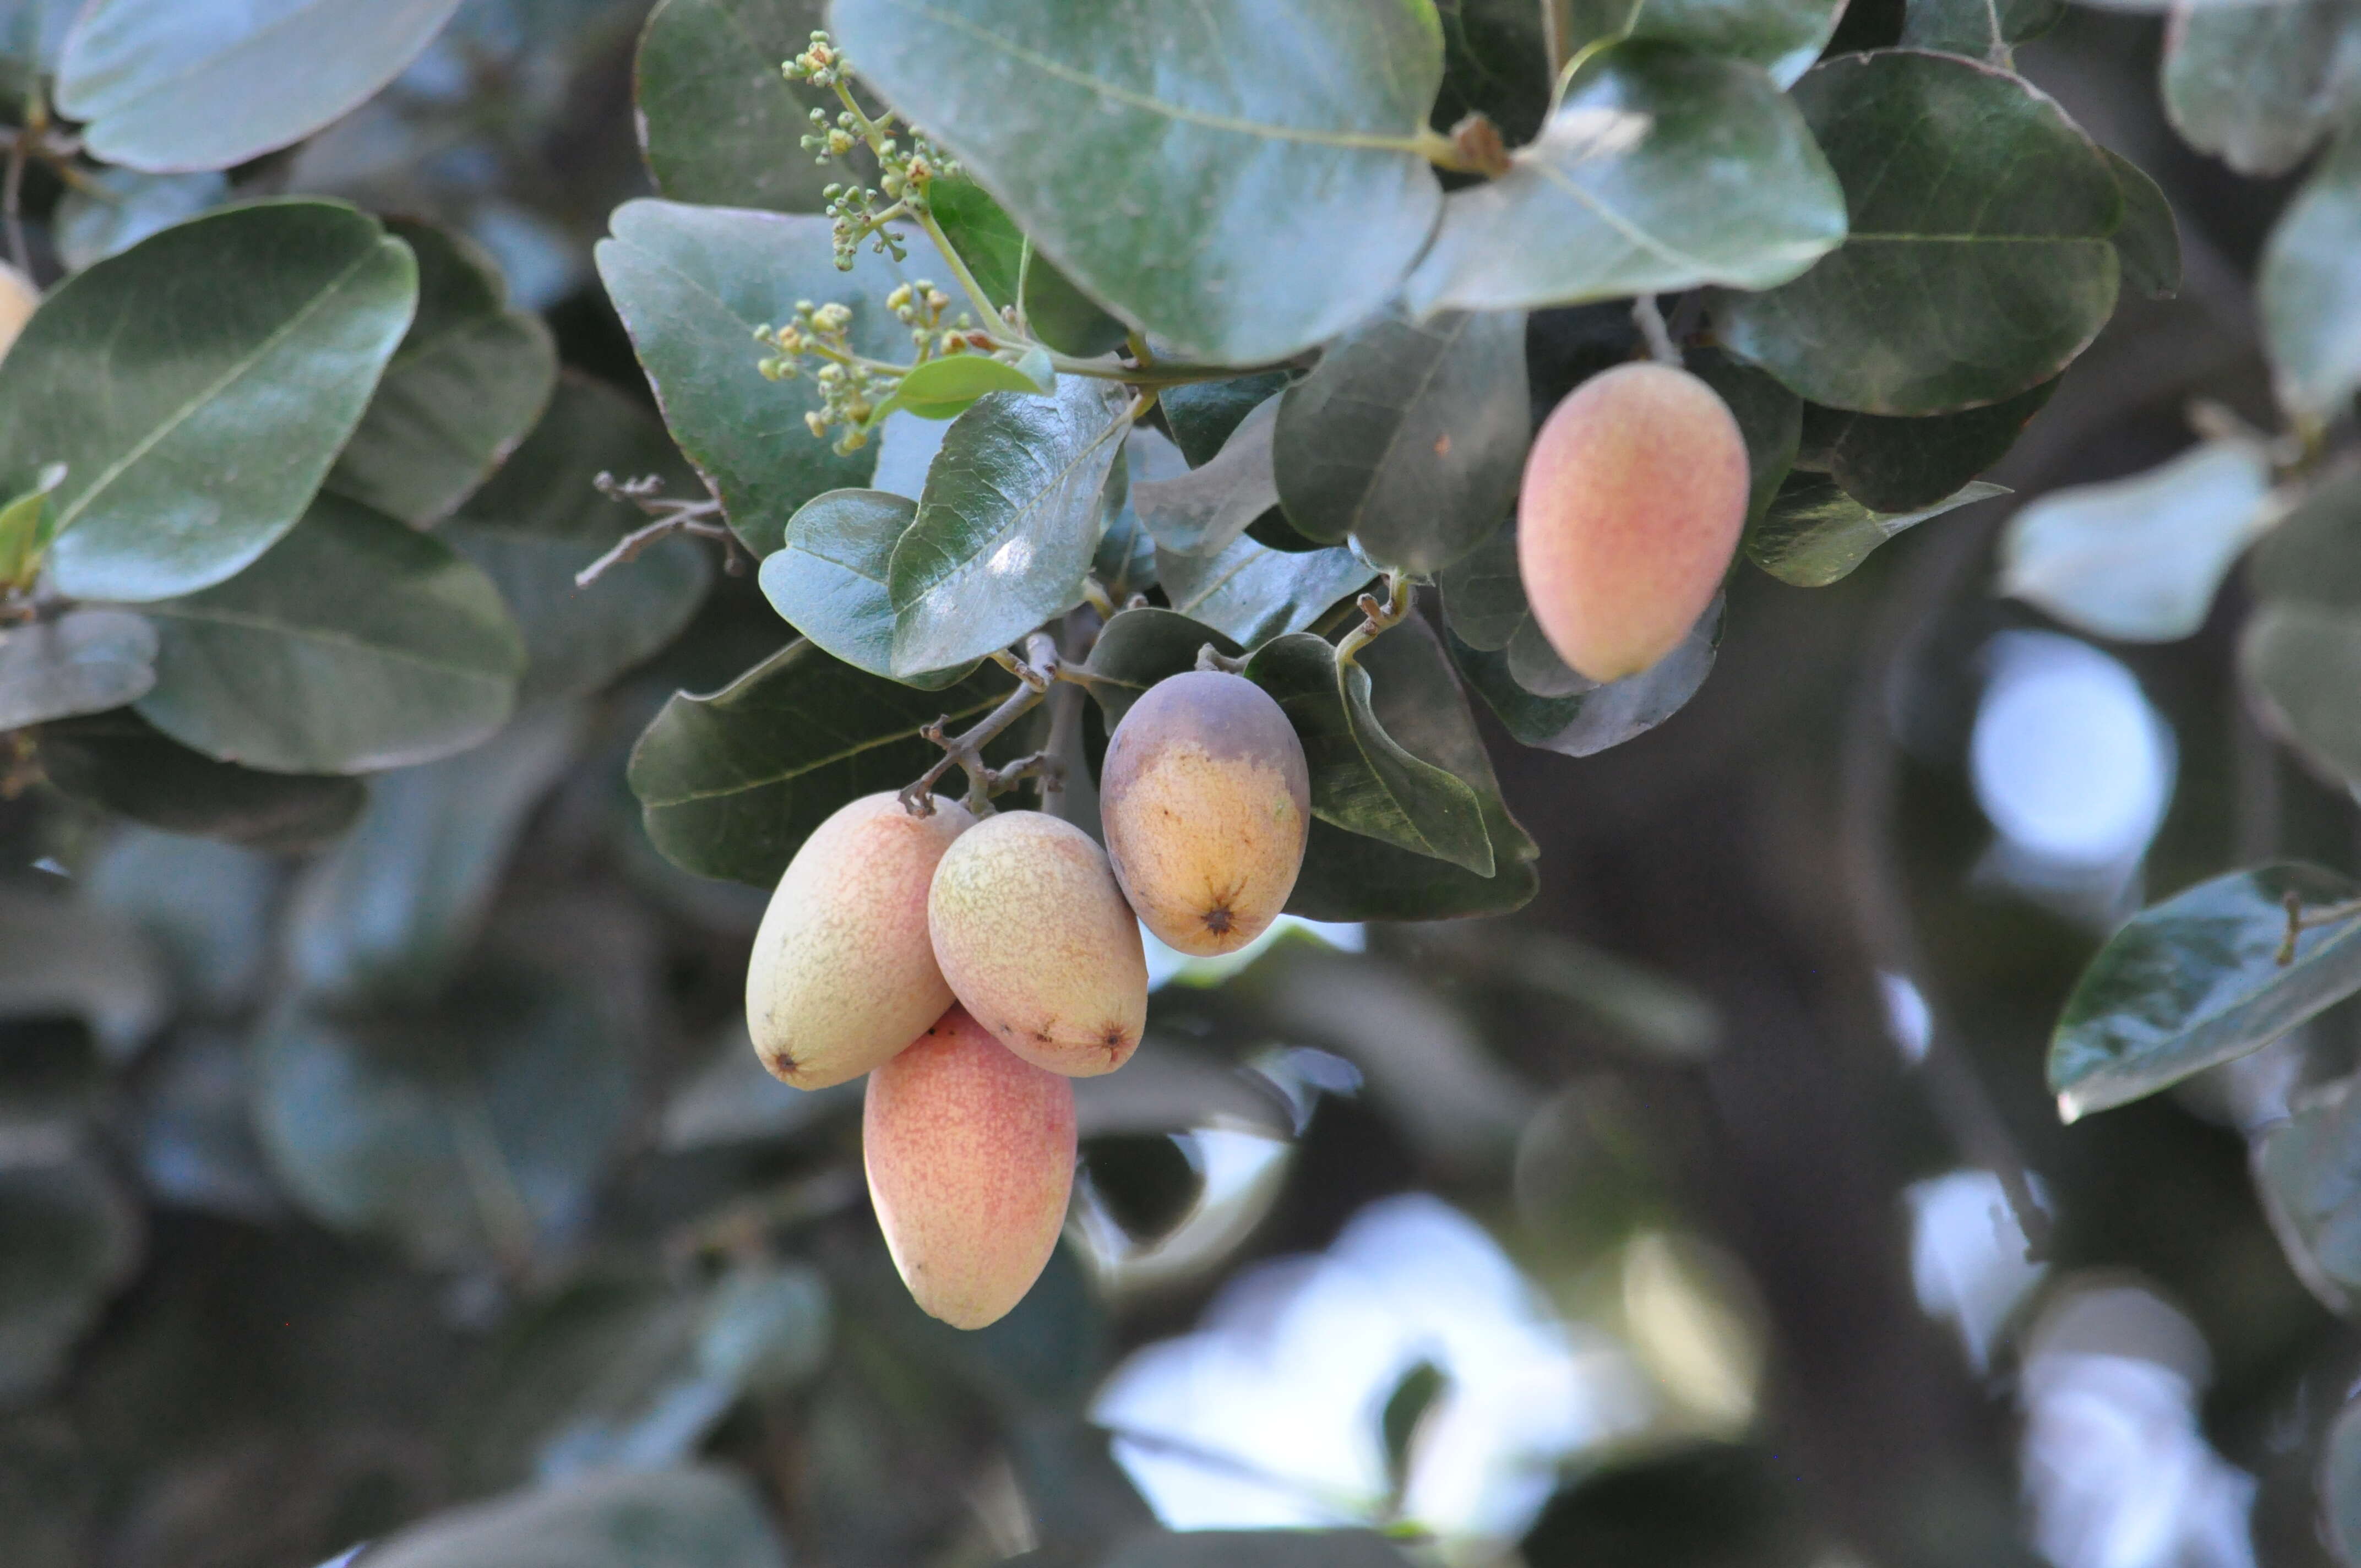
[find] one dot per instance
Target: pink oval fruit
(970, 1154)
(1635, 494)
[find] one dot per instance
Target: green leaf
(1409, 437)
(1257, 1548)
(258, 330)
(1140, 647)
(2301, 662)
(1203, 510)
(171, 85)
(2147, 244)
(1980, 259)
(2313, 554)
(947, 388)
(27, 524)
(1406, 1406)
(69, 1240)
(1903, 465)
(1125, 562)
(1815, 534)
(692, 284)
(993, 248)
(718, 123)
(1484, 594)
(1249, 186)
(691, 1518)
(1362, 778)
(470, 378)
(89, 227)
(474, 1129)
(86, 660)
(1251, 593)
(2139, 559)
(1783, 36)
(829, 579)
(389, 914)
(119, 763)
(1203, 415)
(2260, 85)
(1006, 528)
(541, 522)
(1769, 416)
(1577, 717)
(1494, 63)
(2310, 291)
(356, 644)
(734, 781)
(2195, 981)
(1983, 30)
(2305, 1171)
(1661, 170)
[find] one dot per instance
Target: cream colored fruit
(1035, 937)
(970, 1159)
(18, 301)
(1635, 494)
(1207, 803)
(843, 973)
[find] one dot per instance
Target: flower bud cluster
(853, 389)
(905, 174)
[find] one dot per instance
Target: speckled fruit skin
(1634, 497)
(971, 1156)
(843, 973)
(1036, 941)
(1207, 803)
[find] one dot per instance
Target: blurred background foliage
(421, 1189)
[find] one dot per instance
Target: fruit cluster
(973, 968)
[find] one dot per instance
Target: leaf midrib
(793, 773)
(323, 636)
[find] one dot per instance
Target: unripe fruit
(1035, 937)
(1635, 494)
(1207, 803)
(843, 973)
(971, 1156)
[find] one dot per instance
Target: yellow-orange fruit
(18, 301)
(1035, 937)
(843, 973)
(1207, 803)
(971, 1156)
(1634, 497)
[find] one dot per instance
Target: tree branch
(672, 516)
(1034, 673)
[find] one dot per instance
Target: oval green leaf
(1252, 593)
(1783, 36)
(85, 660)
(2309, 292)
(119, 763)
(994, 250)
(829, 579)
(718, 123)
(1814, 534)
(1897, 466)
(949, 386)
(2258, 85)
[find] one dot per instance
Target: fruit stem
(1650, 321)
(2299, 920)
(1377, 617)
(1034, 673)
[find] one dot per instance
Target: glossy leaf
(471, 377)
(167, 86)
(2300, 662)
(2195, 981)
(1783, 36)
(69, 1240)
(692, 284)
(689, 1518)
(2260, 85)
(1661, 170)
(1203, 415)
(1362, 778)
(718, 123)
(1125, 562)
(86, 660)
(1484, 595)
(2308, 1173)
(1248, 187)
(356, 644)
(2147, 243)
(1987, 30)
(541, 520)
(993, 248)
(947, 388)
(732, 783)
(1203, 510)
(1006, 528)
(1980, 258)
(393, 1123)
(258, 330)
(1347, 876)
(1140, 647)
(1769, 416)
(1252, 593)
(128, 207)
(1578, 718)
(1494, 63)
(1815, 534)
(1409, 437)
(1902, 465)
(829, 579)
(389, 914)
(121, 763)
(2309, 292)
(2139, 559)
